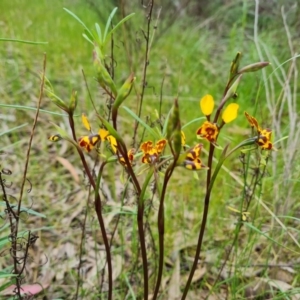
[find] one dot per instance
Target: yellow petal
(230, 112)
(113, 143)
(86, 122)
(103, 134)
(182, 138)
(207, 104)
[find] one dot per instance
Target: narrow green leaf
(164, 131)
(24, 209)
(87, 38)
(131, 290)
(79, 21)
(21, 107)
(147, 127)
(22, 41)
(282, 139)
(65, 135)
(99, 32)
(12, 129)
(119, 24)
(6, 275)
(6, 285)
(11, 145)
(193, 121)
(267, 236)
(5, 240)
(108, 23)
(142, 197)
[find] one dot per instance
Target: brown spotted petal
(208, 131)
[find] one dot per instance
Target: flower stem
(203, 224)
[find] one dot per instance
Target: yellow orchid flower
(209, 130)
(192, 160)
(88, 142)
(263, 135)
(150, 152)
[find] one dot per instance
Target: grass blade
(249, 225)
(148, 128)
(22, 41)
(99, 32)
(10, 130)
(87, 38)
(79, 21)
(108, 23)
(21, 107)
(193, 121)
(119, 24)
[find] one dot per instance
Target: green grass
(193, 57)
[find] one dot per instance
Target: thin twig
(81, 246)
(16, 225)
(146, 64)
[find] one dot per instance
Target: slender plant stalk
(146, 64)
(79, 281)
(98, 209)
(203, 224)
(17, 213)
(207, 197)
(161, 226)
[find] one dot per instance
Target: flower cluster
(190, 159)
(210, 130)
(88, 142)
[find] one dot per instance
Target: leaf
(5, 285)
(65, 135)
(12, 129)
(88, 32)
(21, 107)
(22, 41)
(119, 24)
(164, 131)
(174, 284)
(6, 275)
(108, 23)
(87, 38)
(193, 121)
(99, 33)
(147, 127)
(267, 236)
(27, 210)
